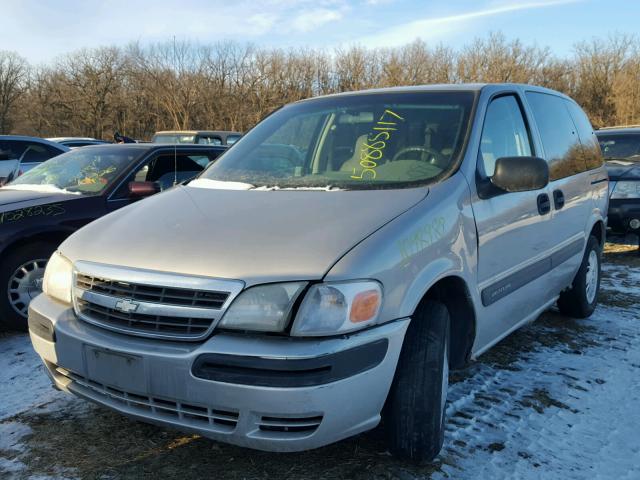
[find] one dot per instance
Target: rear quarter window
(588, 139)
(562, 148)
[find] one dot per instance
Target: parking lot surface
(557, 399)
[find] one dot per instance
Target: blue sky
(41, 30)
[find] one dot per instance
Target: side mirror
(143, 189)
(520, 174)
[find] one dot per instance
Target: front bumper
(154, 380)
(621, 212)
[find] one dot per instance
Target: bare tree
(229, 85)
(13, 78)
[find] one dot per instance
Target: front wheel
(415, 410)
(581, 299)
(21, 275)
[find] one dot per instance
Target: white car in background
(19, 154)
(75, 142)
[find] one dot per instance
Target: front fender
(434, 239)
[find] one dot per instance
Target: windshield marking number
(373, 149)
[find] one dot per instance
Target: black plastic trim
(289, 373)
(599, 181)
(528, 274)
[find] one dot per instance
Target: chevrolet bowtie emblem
(126, 306)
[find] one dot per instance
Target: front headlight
(335, 308)
(265, 308)
(626, 190)
(58, 278)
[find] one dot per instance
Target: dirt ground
(509, 389)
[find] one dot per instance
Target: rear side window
(209, 140)
(561, 143)
(504, 133)
(588, 139)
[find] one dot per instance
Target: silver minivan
(329, 269)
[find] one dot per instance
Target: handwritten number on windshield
(373, 149)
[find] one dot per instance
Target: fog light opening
(634, 223)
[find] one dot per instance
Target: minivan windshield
(625, 146)
(88, 170)
(363, 141)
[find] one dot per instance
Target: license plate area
(115, 369)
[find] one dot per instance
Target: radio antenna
(175, 164)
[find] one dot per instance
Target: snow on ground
(557, 399)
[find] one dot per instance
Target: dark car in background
(19, 154)
(201, 137)
(41, 208)
(621, 150)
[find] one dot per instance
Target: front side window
(167, 170)
(504, 133)
(87, 170)
(378, 140)
(562, 147)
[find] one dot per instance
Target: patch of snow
(328, 188)
(46, 188)
(218, 184)
(24, 384)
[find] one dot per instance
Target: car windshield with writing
(88, 171)
(378, 140)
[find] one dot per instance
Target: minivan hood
(255, 236)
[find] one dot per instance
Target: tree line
(138, 90)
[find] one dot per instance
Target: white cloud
(311, 19)
(438, 26)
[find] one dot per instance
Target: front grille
(150, 303)
(148, 293)
(199, 416)
(155, 324)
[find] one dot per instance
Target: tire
(415, 410)
(581, 299)
(20, 280)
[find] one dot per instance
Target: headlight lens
(58, 278)
(335, 308)
(626, 190)
(265, 308)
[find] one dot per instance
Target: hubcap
(25, 284)
(592, 276)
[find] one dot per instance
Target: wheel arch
(599, 231)
(55, 237)
(453, 291)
